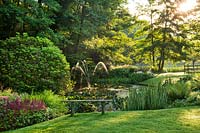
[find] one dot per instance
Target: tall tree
(165, 32)
(116, 44)
(33, 17)
(80, 20)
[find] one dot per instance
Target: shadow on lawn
(166, 120)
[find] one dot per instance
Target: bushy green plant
(123, 76)
(33, 64)
(86, 107)
(9, 93)
(180, 103)
(185, 78)
(178, 90)
(194, 98)
(147, 98)
(121, 71)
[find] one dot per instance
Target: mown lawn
(176, 120)
(162, 77)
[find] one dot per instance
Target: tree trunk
(40, 2)
(153, 56)
(80, 28)
(162, 55)
(152, 41)
(162, 59)
(193, 65)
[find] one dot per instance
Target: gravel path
(172, 74)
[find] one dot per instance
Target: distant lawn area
(176, 120)
(164, 76)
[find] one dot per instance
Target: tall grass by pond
(147, 98)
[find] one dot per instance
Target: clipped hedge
(33, 64)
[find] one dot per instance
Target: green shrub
(123, 76)
(185, 78)
(33, 64)
(194, 98)
(147, 98)
(9, 93)
(179, 90)
(124, 72)
(86, 107)
(180, 103)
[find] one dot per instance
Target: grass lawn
(161, 77)
(176, 120)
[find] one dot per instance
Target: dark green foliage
(29, 16)
(147, 98)
(33, 64)
(95, 93)
(90, 95)
(186, 78)
(125, 72)
(194, 98)
(179, 90)
(120, 103)
(123, 76)
(86, 107)
(181, 103)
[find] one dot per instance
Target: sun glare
(187, 5)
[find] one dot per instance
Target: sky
(183, 7)
(186, 6)
(133, 3)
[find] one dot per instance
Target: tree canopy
(104, 30)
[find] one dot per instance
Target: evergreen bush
(30, 64)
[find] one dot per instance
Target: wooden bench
(102, 101)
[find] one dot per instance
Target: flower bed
(16, 113)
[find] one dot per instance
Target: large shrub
(179, 90)
(32, 64)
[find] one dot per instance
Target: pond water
(125, 91)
